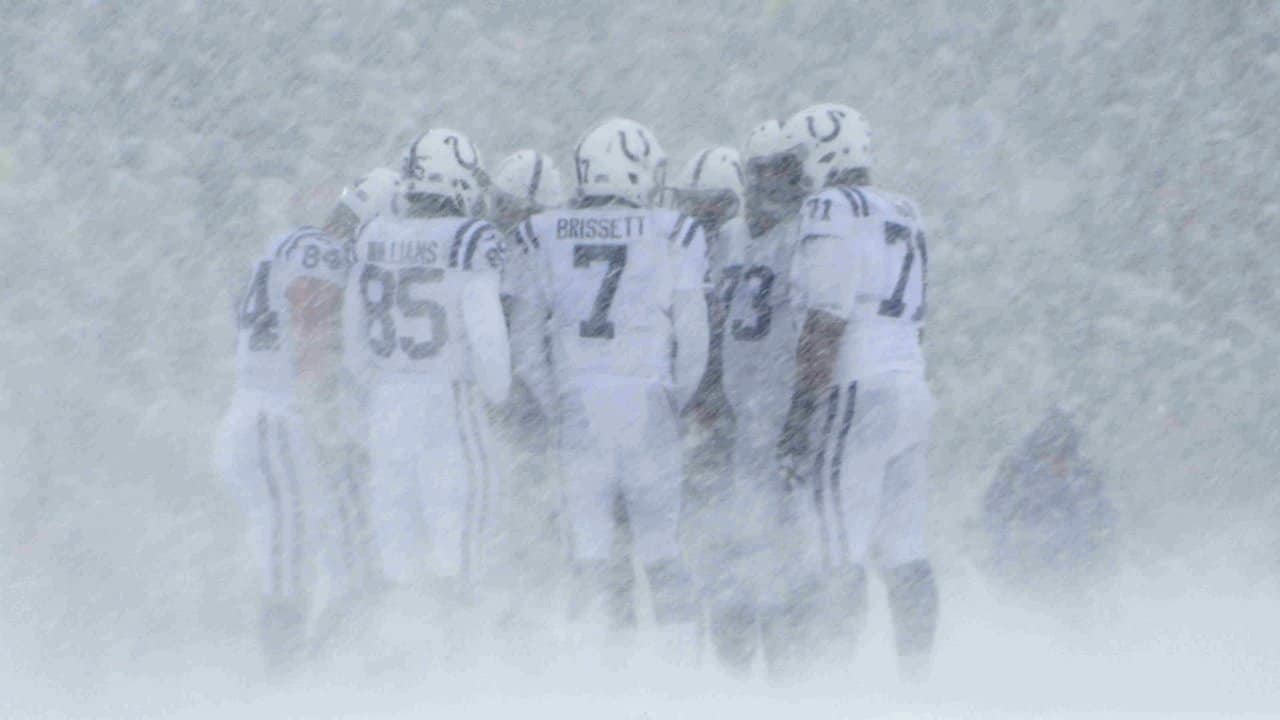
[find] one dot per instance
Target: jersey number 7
(599, 325)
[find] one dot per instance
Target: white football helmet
(528, 179)
(775, 168)
(836, 137)
(526, 182)
(767, 139)
(373, 194)
(711, 185)
(620, 158)
(444, 163)
(713, 168)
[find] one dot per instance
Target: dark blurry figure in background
(1046, 520)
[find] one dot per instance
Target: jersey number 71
(894, 305)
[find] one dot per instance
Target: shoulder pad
(289, 244)
(477, 245)
(525, 235)
(313, 251)
(853, 200)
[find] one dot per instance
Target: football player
(423, 331)
(615, 287)
(286, 358)
(710, 189)
(773, 584)
(861, 409)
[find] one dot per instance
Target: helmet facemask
(778, 181)
(712, 208)
(506, 210)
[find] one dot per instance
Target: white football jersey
(403, 313)
(762, 326)
(606, 279)
(863, 257)
(264, 350)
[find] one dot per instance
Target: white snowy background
(1100, 178)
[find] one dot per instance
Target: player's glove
(793, 446)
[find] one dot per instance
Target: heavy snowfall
(1099, 179)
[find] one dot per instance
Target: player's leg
(850, 482)
(394, 495)
(732, 543)
(902, 552)
(621, 608)
(272, 489)
(531, 514)
(450, 475)
(491, 463)
(794, 634)
(590, 486)
(352, 481)
(248, 469)
(652, 487)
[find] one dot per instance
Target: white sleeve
(524, 284)
(689, 313)
(693, 340)
(488, 348)
(528, 352)
(691, 257)
(520, 277)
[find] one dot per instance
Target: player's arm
(689, 313)
(488, 345)
(530, 319)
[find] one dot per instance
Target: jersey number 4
(256, 315)
(894, 305)
(599, 325)
(396, 291)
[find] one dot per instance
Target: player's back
(265, 359)
(403, 312)
(607, 278)
(877, 257)
(753, 280)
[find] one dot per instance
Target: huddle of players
(782, 298)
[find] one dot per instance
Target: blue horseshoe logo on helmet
(457, 153)
(622, 135)
(411, 168)
(835, 116)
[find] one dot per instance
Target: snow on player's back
(607, 277)
(264, 354)
(866, 259)
(405, 302)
